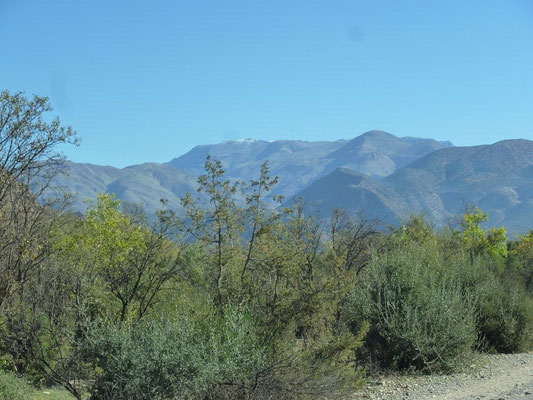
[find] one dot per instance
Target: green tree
(218, 225)
(478, 240)
(130, 262)
(274, 263)
(29, 160)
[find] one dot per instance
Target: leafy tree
(276, 264)
(28, 144)
(416, 230)
(258, 217)
(132, 262)
(477, 240)
(29, 159)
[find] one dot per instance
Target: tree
(477, 240)
(353, 238)
(131, 262)
(274, 263)
(29, 159)
(220, 224)
(28, 144)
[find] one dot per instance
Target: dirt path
(496, 377)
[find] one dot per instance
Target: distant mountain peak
(245, 141)
(377, 133)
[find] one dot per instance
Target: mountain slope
(348, 189)
(143, 184)
(498, 178)
(379, 154)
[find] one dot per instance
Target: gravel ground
(492, 377)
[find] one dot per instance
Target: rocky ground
(491, 377)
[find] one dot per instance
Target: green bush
(503, 307)
(430, 305)
(504, 316)
(419, 316)
(12, 387)
(176, 359)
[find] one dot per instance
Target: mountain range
(498, 178)
(385, 176)
(296, 163)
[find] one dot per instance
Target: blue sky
(148, 80)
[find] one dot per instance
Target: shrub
(176, 359)
(419, 316)
(504, 316)
(12, 387)
(503, 307)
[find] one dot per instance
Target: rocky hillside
(298, 163)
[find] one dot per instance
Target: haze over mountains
(144, 184)
(498, 178)
(387, 177)
(296, 163)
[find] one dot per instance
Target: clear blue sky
(148, 80)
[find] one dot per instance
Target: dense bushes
(238, 298)
(260, 305)
(431, 301)
(228, 313)
(246, 303)
(504, 316)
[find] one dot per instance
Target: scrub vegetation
(236, 298)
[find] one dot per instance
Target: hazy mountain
(498, 178)
(352, 191)
(143, 184)
(379, 154)
(297, 163)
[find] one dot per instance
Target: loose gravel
(491, 377)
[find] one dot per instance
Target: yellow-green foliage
(477, 240)
(112, 236)
(123, 264)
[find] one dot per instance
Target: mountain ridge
(387, 177)
(496, 177)
(297, 163)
